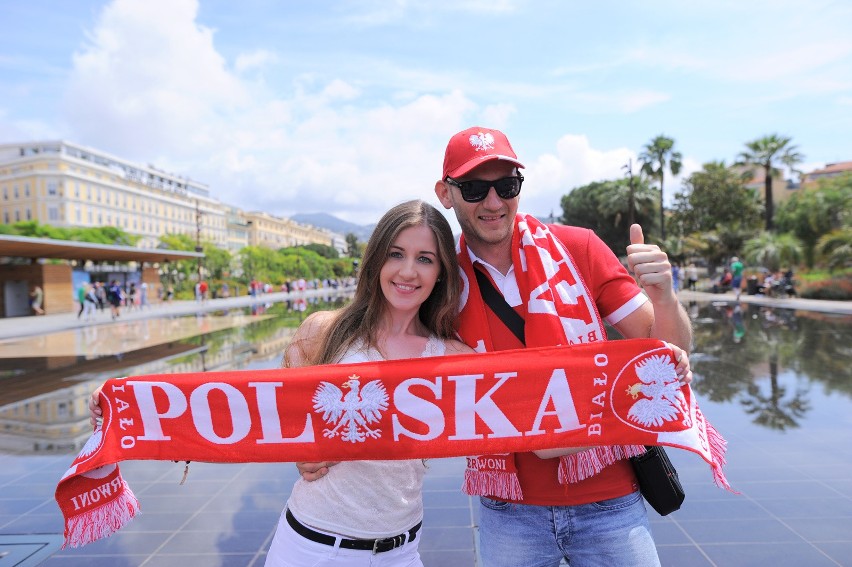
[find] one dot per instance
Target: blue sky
(345, 107)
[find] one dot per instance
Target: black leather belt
(374, 545)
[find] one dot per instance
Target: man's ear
(442, 190)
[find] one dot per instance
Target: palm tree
(658, 153)
(773, 250)
(766, 152)
(836, 248)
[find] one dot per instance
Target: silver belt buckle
(393, 539)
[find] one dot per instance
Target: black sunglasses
(476, 190)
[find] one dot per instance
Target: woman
(37, 296)
(405, 306)
(410, 259)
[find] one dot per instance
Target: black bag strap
(498, 304)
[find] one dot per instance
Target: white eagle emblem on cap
(482, 141)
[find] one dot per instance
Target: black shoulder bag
(658, 480)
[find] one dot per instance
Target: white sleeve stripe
(629, 307)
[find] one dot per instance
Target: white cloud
(149, 77)
(254, 60)
(573, 163)
(150, 85)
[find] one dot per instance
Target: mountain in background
(334, 224)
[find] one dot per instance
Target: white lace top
(365, 499)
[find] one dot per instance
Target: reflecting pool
(776, 383)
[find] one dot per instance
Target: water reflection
(45, 388)
(768, 360)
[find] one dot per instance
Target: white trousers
(289, 549)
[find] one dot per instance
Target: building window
(29, 214)
(89, 216)
(53, 213)
(15, 191)
(5, 193)
(76, 190)
(17, 215)
(51, 188)
(26, 189)
(79, 215)
(5, 217)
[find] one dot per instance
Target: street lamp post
(198, 247)
(631, 207)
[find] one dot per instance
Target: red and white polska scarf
(560, 311)
(449, 406)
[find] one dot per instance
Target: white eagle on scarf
(351, 412)
(663, 399)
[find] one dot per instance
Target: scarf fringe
(718, 448)
(503, 485)
(586, 464)
(102, 521)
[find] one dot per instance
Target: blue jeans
(609, 533)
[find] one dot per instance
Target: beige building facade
(275, 232)
(69, 185)
(63, 184)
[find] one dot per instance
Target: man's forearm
(672, 324)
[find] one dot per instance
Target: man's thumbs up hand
(651, 267)
(636, 236)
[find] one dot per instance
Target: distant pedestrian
(81, 298)
(100, 292)
(692, 276)
(36, 300)
(143, 295)
(736, 276)
(90, 300)
(115, 295)
(131, 296)
(676, 277)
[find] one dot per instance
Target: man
(736, 276)
(600, 520)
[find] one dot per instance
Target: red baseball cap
(475, 146)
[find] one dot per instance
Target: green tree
(323, 250)
(835, 248)
(657, 156)
(710, 245)
(716, 198)
(95, 234)
(352, 249)
(217, 261)
(767, 152)
(773, 251)
(603, 207)
(812, 213)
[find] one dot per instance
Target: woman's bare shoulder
(457, 347)
(306, 340)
